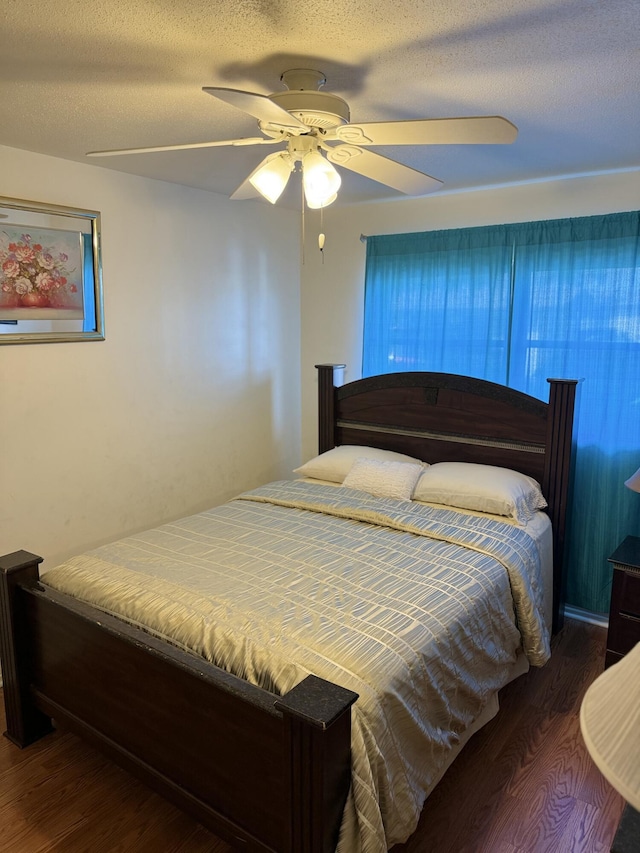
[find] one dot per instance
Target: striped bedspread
(421, 611)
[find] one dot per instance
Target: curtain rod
(363, 238)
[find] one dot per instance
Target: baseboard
(581, 615)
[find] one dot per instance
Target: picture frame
(50, 273)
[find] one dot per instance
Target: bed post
(557, 480)
(326, 405)
(25, 723)
(317, 723)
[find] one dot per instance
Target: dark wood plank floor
(524, 784)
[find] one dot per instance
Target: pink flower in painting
(24, 254)
(44, 281)
(11, 268)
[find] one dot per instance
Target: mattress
(422, 611)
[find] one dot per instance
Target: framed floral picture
(50, 273)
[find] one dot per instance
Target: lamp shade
(633, 482)
(271, 176)
(610, 724)
(320, 179)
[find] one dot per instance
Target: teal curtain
(88, 296)
(516, 304)
(440, 299)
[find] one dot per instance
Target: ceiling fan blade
(474, 130)
(257, 140)
(382, 169)
(258, 106)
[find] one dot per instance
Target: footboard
(263, 772)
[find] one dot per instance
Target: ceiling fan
(313, 123)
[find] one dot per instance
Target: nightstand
(624, 613)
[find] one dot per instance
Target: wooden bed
(263, 772)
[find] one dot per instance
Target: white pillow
(335, 464)
(484, 488)
(384, 479)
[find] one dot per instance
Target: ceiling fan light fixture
(320, 179)
(315, 205)
(272, 176)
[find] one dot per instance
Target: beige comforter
(420, 611)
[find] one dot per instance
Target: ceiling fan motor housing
(315, 109)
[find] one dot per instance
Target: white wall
(332, 297)
(195, 393)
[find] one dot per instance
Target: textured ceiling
(78, 76)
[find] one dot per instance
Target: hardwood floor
(524, 784)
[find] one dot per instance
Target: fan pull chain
(302, 225)
(321, 234)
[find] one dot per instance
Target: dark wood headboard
(443, 417)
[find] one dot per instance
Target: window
(516, 304)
